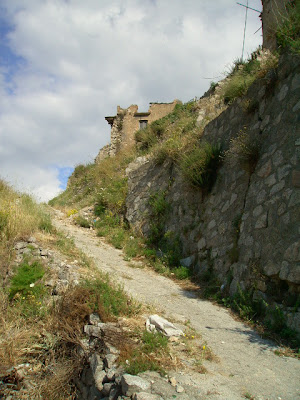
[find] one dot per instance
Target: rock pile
(102, 378)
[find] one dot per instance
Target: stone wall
(274, 11)
(246, 229)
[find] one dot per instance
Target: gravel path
(248, 365)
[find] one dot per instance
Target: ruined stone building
(127, 122)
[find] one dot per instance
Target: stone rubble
(157, 323)
(103, 378)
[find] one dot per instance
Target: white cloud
(79, 60)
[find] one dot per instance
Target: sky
(66, 64)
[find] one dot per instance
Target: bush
(288, 32)
(200, 165)
(25, 278)
(81, 221)
(182, 272)
(146, 138)
(245, 150)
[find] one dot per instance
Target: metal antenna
(250, 8)
(245, 30)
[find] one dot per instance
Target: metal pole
(245, 30)
(250, 8)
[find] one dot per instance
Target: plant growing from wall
(244, 150)
(288, 32)
(234, 252)
(159, 208)
(200, 165)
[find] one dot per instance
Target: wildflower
(31, 285)
(203, 347)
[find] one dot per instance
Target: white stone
(133, 384)
(164, 326)
(201, 243)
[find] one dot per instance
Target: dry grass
(56, 383)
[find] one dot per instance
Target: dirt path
(247, 364)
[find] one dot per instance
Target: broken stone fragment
(133, 384)
(20, 245)
(164, 326)
(94, 319)
(109, 360)
(92, 330)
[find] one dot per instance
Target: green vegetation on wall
(288, 33)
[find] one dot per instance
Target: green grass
(243, 74)
(146, 357)
(200, 165)
(109, 299)
(244, 149)
(288, 32)
(154, 342)
(28, 273)
(81, 221)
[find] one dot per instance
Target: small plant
(159, 208)
(71, 212)
(25, 278)
(288, 32)
(154, 342)
(182, 273)
(149, 355)
(81, 221)
(200, 165)
(213, 85)
(234, 252)
(245, 150)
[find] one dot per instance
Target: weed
(244, 73)
(154, 342)
(245, 150)
(146, 138)
(200, 165)
(149, 354)
(182, 272)
(108, 299)
(81, 221)
(139, 362)
(117, 238)
(288, 32)
(72, 212)
(234, 252)
(133, 247)
(213, 85)
(159, 208)
(25, 278)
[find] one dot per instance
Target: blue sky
(65, 65)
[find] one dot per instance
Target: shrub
(167, 150)
(182, 272)
(244, 73)
(25, 278)
(159, 208)
(288, 32)
(108, 299)
(146, 138)
(245, 150)
(81, 221)
(200, 165)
